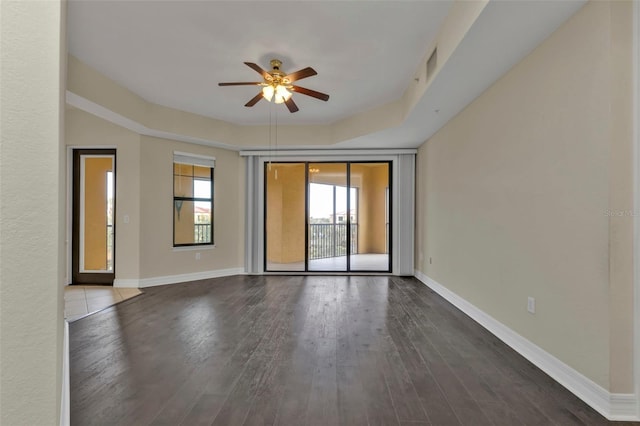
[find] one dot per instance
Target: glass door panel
(328, 217)
(93, 245)
(285, 216)
(370, 246)
(331, 217)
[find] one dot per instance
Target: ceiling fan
(277, 85)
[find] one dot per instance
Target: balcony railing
(109, 247)
(202, 233)
(330, 240)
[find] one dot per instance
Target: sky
(321, 200)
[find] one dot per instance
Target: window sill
(194, 248)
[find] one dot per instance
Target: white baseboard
(173, 279)
(623, 406)
(65, 404)
(614, 406)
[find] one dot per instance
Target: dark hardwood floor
(294, 350)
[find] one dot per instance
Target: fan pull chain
(269, 165)
(276, 142)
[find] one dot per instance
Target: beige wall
(621, 197)
(85, 130)
(157, 256)
(144, 193)
(31, 302)
(513, 194)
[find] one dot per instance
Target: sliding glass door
(285, 199)
(371, 250)
(327, 217)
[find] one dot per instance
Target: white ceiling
(174, 53)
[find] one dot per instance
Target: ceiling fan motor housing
(276, 64)
(278, 76)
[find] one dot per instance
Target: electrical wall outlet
(198, 256)
(531, 305)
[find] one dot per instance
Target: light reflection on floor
(359, 262)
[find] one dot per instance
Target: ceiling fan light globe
(283, 93)
(267, 92)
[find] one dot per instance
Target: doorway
(327, 217)
(93, 218)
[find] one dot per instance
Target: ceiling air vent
(431, 63)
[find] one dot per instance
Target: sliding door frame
(348, 187)
(402, 176)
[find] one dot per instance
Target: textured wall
(31, 302)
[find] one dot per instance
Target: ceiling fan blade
(312, 93)
(291, 105)
(299, 75)
(254, 100)
(246, 83)
(259, 70)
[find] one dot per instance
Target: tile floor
(80, 301)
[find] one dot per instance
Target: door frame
(636, 201)
(101, 149)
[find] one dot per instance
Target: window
(192, 200)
